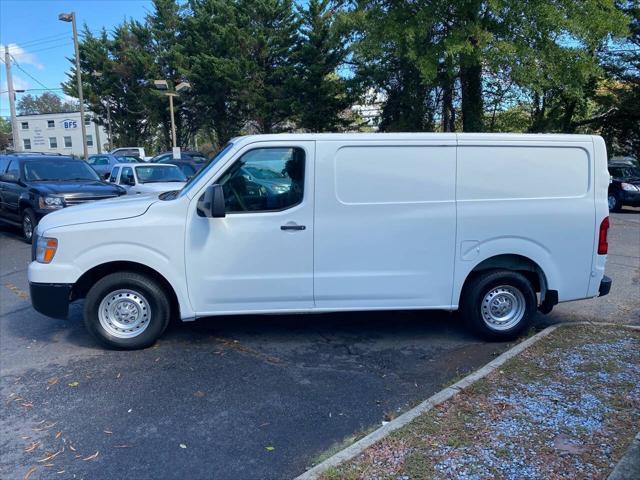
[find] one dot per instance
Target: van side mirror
(211, 203)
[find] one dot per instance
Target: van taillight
(603, 246)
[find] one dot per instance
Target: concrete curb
(629, 466)
(440, 397)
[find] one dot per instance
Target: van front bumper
(51, 299)
(605, 286)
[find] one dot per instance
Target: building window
(51, 124)
(89, 140)
(27, 143)
(87, 121)
(67, 142)
(53, 142)
(25, 125)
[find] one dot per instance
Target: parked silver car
(139, 178)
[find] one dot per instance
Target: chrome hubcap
(124, 313)
(503, 307)
(27, 227)
(612, 202)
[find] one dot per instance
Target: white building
(59, 133)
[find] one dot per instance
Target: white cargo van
(494, 225)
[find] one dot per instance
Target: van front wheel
(498, 304)
(126, 310)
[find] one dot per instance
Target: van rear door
(385, 223)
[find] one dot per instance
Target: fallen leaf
(199, 394)
(182, 445)
(108, 432)
(91, 457)
(32, 447)
(74, 384)
(58, 435)
(61, 471)
(270, 448)
(129, 411)
(52, 381)
(71, 448)
(29, 472)
(264, 424)
(118, 375)
(122, 446)
(49, 465)
(51, 456)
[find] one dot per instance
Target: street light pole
(12, 101)
(71, 17)
(173, 122)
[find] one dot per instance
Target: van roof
(404, 136)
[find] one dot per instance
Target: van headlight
(46, 249)
(50, 202)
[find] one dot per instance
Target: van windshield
(205, 169)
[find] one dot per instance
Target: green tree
(5, 134)
(48, 102)
(616, 112)
(321, 93)
(215, 47)
(271, 32)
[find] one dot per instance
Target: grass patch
(566, 407)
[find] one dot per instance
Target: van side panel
(530, 198)
(384, 224)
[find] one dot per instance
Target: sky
(41, 44)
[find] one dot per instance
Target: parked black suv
(33, 185)
(624, 188)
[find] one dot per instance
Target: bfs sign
(69, 124)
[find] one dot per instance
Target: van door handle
(292, 227)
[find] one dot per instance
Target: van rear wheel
(126, 310)
(499, 304)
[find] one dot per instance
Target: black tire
(473, 303)
(142, 285)
(30, 217)
(615, 205)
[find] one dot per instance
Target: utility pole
(12, 101)
(71, 17)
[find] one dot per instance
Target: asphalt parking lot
(234, 397)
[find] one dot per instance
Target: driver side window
(265, 179)
(126, 177)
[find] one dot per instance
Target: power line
(66, 43)
(34, 78)
(32, 90)
(36, 41)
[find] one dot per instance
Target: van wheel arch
(82, 286)
(517, 263)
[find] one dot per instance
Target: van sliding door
(385, 221)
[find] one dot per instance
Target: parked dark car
(624, 188)
(190, 162)
(33, 185)
(102, 163)
(187, 156)
(188, 168)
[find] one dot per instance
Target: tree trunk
(447, 82)
(471, 82)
